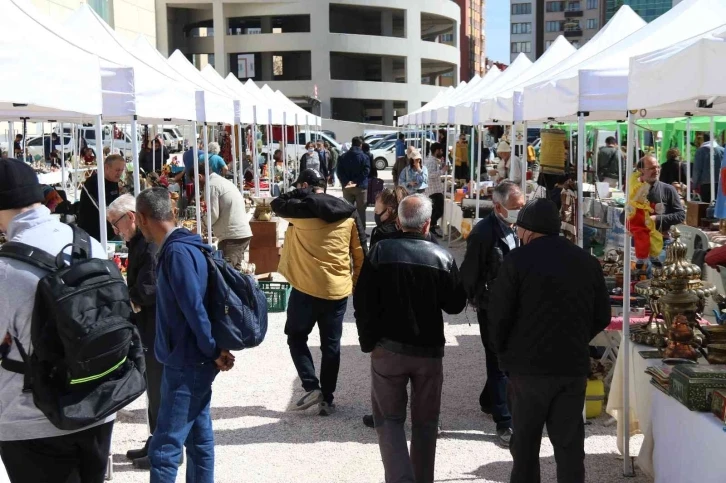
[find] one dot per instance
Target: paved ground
(258, 441)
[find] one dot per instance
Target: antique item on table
(648, 241)
(660, 376)
(715, 334)
(718, 405)
(677, 296)
(695, 212)
(650, 354)
(191, 212)
(693, 384)
(263, 210)
(716, 353)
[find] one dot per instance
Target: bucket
(594, 398)
(603, 190)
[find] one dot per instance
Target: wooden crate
(695, 213)
(264, 234)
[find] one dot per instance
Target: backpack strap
(17, 366)
(30, 255)
(81, 249)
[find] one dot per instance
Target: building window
(518, 47)
(446, 38)
(522, 28)
(521, 8)
(553, 26)
(574, 6)
(591, 23)
(548, 44)
(277, 65)
(104, 9)
(555, 6)
(591, 4)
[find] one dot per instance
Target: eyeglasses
(115, 223)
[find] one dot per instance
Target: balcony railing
(573, 33)
(573, 13)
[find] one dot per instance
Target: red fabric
(717, 256)
(723, 181)
(641, 235)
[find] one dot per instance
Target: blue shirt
(188, 159)
(400, 148)
(216, 163)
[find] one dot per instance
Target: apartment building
(472, 38)
(649, 10)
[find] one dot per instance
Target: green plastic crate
(277, 294)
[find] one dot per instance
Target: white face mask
(310, 151)
(512, 216)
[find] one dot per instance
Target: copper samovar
(676, 296)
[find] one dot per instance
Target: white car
(385, 155)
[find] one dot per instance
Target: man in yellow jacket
(324, 236)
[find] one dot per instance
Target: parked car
(35, 146)
(170, 142)
(177, 137)
(385, 155)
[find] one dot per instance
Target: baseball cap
(312, 177)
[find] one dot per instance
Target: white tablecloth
(640, 403)
(689, 446)
(52, 178)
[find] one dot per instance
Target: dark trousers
(77, 457)
(146, 324)
(184, 421)
(706, 192)
(303, 312)
(494, 395)
(390, 374)
(234, 250)
(462, 172)
(556, 401)
(437, 199)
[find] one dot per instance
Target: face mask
(512, 216)
(377, 218)
(310, 151)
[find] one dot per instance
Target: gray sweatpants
(390, 373)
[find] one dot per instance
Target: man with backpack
(184, 344)
(324, 236)
(33, 446)
(607, 162)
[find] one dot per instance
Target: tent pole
(233, 151)
(113, 136)
(624, 351)
(241, 158)
(620, 158)
(11, 141)
(62, 156)
(453, 178)
(478, 174)
(255, 164)
(572, 152)
(195, 148)
(76, 153)
(283, 154)
(472, 144)
(153, 151)
(207, 196)
(712, 168)
(523, 160)
(135, 154)
(581, 146)
(687, 147)
(101, 185)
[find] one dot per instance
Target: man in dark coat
(489, 243)
(141, 279)
(88, 219)
(548, 301)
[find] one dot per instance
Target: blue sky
(497, 30)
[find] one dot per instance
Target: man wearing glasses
(141, 279)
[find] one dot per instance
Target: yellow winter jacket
(316, 257)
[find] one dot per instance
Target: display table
(50, 179)
(689, 445)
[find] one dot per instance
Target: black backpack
(86, 361)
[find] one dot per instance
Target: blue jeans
(184, 420)
(493, 397)
(303, 312)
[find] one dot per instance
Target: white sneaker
(310, 399)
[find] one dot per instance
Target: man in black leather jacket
(405, 334)
(488, 243)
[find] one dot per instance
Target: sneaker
(134, 454)
(505, 436)
(142, 463)
(326, 409)
(368, 421)
(309, 400)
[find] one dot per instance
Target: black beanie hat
(540, 216)
(19, 186)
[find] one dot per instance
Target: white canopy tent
(505, 106)
(462, 92)
(599, 85)
(429, 114)
(537, 103)
(411, 117)
(43, 93)
(704, 91)
(467, 109)
(159, 97)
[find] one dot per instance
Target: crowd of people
(539, 301)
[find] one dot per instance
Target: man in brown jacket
(324, 235)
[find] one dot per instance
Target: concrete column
(266, 25)
(320, 59)
(162, 26)
(219, 22)
(413, 62)
(266, 73)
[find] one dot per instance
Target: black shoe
(486, 410)
(368, 421)
(134, 454)
(505, 436)
(142, 463)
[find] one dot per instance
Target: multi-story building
(648, 9)
(130, 18)
(354, 60)
(472, 39)
(535, 24)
